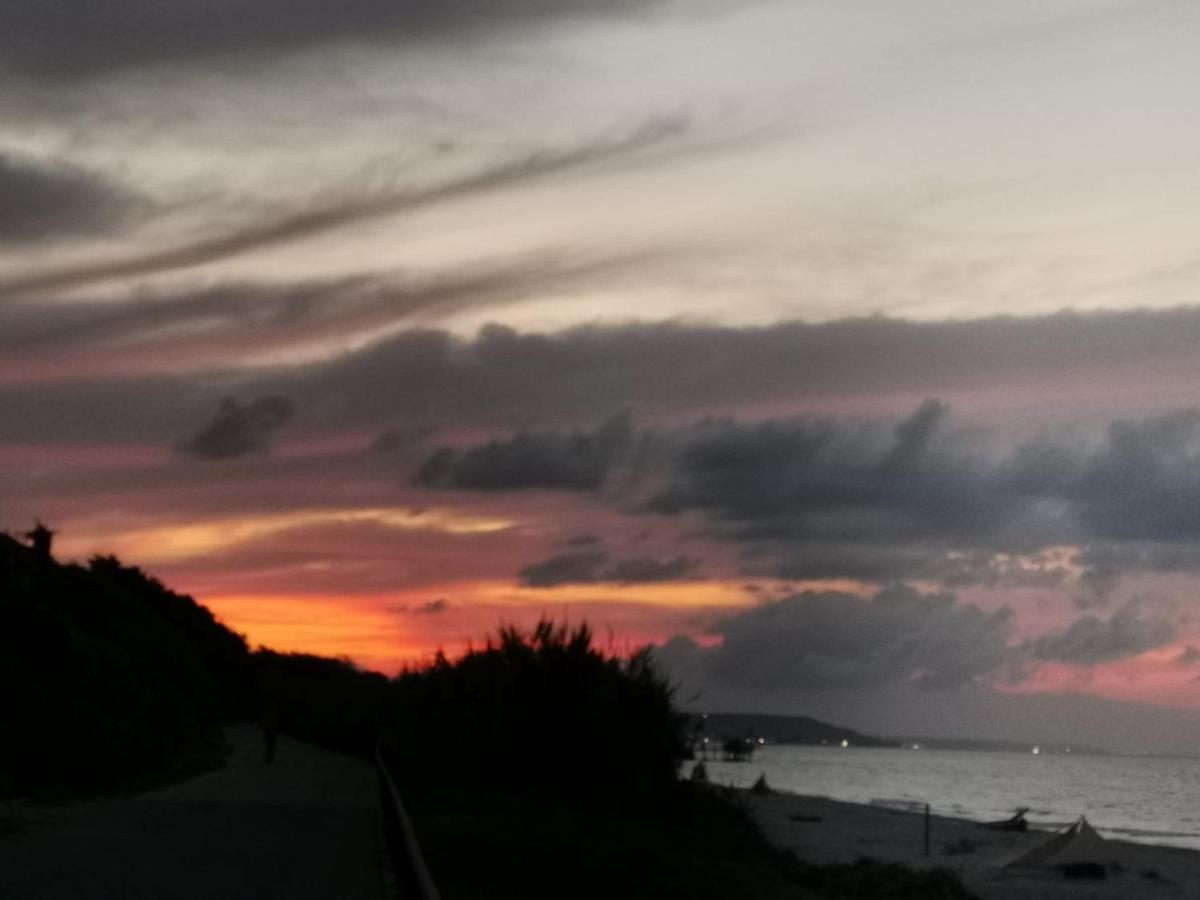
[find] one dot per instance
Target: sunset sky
(844, 349)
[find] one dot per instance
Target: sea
(1148, 799)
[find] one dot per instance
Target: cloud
(822, 498)
(925, 496)
(647, 570)
(1188, 657)
(581, 373)
(827, 498)
(240, 430)
(236, 320)
(1091, 640)
(808, 477)
(77, 39)
(824, 641)
(573, 461)
(597, 567)
(396, 441)
(565, 568)
(1144, 481)
(331, 216)
(433, 607)
(41, 199)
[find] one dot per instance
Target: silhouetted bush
(104, 673)
(545, 711)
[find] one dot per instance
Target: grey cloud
(324, 218)
(576, 461)
(41, 200)
(832, 640)
(76, 39)
(1090, 640)
(565, 568)
(880, 560)
(582, 373)
(1188, 656)
(393, 441)
(433, 607)
(240, 430)
(583, 540)
(1104, 562)
(823, 498)
(916, 434)
(1144, 481)
(597, 567)
(647, 570)
(803, 497)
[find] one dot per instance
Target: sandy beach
(820, 830)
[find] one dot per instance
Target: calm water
(1152, 800)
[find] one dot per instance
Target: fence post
(926, 830)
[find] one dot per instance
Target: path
(304, 828)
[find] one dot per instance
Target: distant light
(762, 740)
(916, 746)
(1036, 749)
(845, 744)
(706, 740)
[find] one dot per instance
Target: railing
(410, 876)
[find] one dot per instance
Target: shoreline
(825, 831)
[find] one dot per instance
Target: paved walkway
(304, 828)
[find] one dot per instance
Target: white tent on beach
(1078, 845)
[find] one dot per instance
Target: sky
(843, 351)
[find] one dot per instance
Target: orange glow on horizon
(325, 626)
(387, 631)
(667, 594)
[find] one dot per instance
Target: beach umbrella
(1080, 844)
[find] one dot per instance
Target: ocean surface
(1152, 800)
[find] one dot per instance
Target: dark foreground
(304, 828)
(505, 846)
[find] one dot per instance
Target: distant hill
(782, 730)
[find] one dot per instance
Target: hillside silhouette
(106, 674)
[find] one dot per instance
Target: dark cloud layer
(821, 497)
(581, 373)
(240, 430)
(851, 652)
(80, 38)
(832, 500)
(919, 497)
(574, 461)
(812, 477)
(597, 567)
(40, 200)
(843, 499)
(1090, 640)
(831, 640)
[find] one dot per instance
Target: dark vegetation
(106, 675)
(535, 767)
(534, 713)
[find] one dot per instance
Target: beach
(820, 830)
